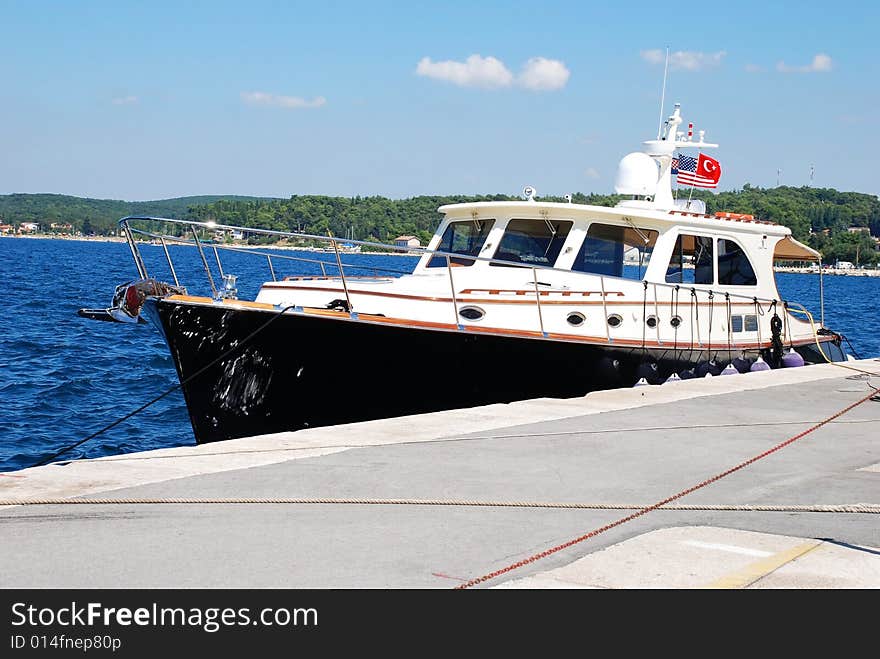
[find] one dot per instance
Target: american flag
(702, 172)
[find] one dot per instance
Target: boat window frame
(584, 234)
(465, 259)
(745, 255)
(563, 245)
(714, 237)
(678, 233)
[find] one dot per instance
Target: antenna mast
(663, 96)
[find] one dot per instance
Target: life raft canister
(734, 216)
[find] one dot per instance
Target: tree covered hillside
(820, 217)
(92, 215)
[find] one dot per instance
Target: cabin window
(471, 313)
(734, 268)
(692, 261)
(575, 318)
(466, 237)
(534, 242)
(746, 323)
(618, 251)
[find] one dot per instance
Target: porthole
(651, 321)
(575, 319)
(471, 313)
(675, 321)
(614, 320)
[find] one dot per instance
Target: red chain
(638, 513)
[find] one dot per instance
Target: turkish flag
(709, 168)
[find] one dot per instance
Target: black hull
(303, 371)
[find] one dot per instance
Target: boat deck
(627, 447)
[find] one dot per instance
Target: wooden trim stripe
(228, 301)
(496, 331)
(336, 278)
(720, 301)
(516, 291)
(325, 289)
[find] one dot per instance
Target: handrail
(605, 308)
(538, 302)
(204, 260)
(342, 276)
(271, 269)
(170, 263)
(130, 232)
(247, 250)
(135, 254)
(452, 288)
(419, 250)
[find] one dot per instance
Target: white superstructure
(649, 271)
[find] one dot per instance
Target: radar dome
(636, 175)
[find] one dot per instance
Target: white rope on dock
(870, 508)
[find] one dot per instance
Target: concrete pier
(767, 524)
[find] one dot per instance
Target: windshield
(619, 251)
(466, 237)
(537, 242)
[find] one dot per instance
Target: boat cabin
(723, 251)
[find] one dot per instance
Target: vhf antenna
(663, 96)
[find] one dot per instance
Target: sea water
(63, 377)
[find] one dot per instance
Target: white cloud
(821, 64)
(591, 172)
(475, 71)
(541, 74)
(125, 100)
(276, 101)
(537, 74)
(684, 60)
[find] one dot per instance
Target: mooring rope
(180, 384)
(711, 316)
(870, 508)
(826, 358)
(644, 314)
(673, 303)
(729, 328)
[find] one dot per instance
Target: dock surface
(440, 500)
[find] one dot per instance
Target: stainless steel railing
(693, 338)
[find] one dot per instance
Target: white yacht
(510, 300)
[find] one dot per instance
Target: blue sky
(152, 100)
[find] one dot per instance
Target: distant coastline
(837, 272)
(94, 239)
(120, 239)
